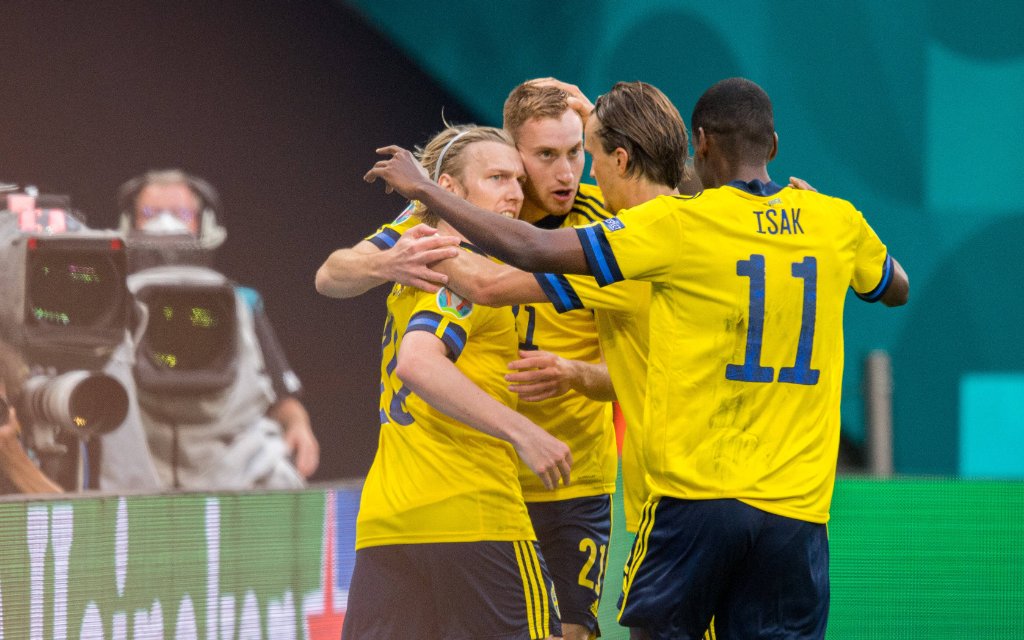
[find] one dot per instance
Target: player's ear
(700, 143)
(775, 147)
(448, 183)
(621, 160)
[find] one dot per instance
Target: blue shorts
(760, 575)
(573, 536)
(455, 590)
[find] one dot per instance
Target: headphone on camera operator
(183, 228)
(202, 354)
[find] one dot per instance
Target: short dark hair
(738, 113)
(639, 118)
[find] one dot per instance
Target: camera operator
(170, 218)
(20, 474)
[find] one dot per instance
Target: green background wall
(923, 559)
(927, 559)
(911, 110)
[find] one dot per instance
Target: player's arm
(424, 367)
(898, 291)
(291, 414)
(592, 380)
(355, 270)
(513, 241)
(539, 375)
(490, 283)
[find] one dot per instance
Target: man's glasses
(184, 214)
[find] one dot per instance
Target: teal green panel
(910, 110)
(981, 29)
(992, 425)
(964, 317)
(975, 133)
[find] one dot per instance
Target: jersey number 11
(751, 370)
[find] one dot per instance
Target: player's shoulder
(835, 205)
(404, 221)
(783, 196)
(388, 234)
(667, 203)
(590, 191)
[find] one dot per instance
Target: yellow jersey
(585, 425)
(435, 479)
(622, 315)
(748, 285)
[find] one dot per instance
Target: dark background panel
(279, 105)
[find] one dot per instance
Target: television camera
(64, 307)
(67, 304)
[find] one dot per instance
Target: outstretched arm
(538, 375)
(424, 367)
(513, 241)
(353, 271)
(491, 283)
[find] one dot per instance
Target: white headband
(440, 158)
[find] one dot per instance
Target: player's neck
(744, 173)
(640, 191)
(531, 213)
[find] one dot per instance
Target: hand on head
(578, 102)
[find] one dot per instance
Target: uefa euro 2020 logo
(453, 304)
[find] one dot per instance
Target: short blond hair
(532, 100)
(445, 154)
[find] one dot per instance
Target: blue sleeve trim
(559, 292)
(454, 336)
(385, 239)
(599, 254)
(876, 294)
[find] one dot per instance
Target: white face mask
(165, 223)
